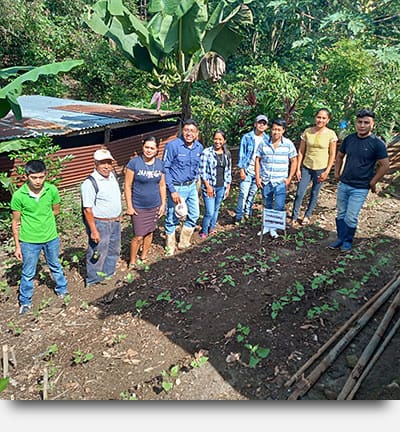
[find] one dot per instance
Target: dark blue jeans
(274, 196)
(212, 205)
(109, 249)
(30, 258)
(307, 175)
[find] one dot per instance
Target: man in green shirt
(35, 205)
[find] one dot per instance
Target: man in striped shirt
(275, 166)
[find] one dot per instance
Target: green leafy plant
(242, 332)
(169, 378)
(128, 396)
(164, 296)
(182, 306)
(318, 310)
(257, 353)
(229, 280)
(80, 357)
(140, 305)
(196, 363)
(15, 329)
(4, 383)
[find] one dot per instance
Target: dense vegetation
(296, 56)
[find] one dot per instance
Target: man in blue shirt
(247, 154)
(363, 151)
(182, 159)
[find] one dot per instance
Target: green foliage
(80, 357)
(4, 383)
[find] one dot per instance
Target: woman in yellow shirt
(316, 156)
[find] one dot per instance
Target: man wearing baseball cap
(247, 154)
(101, 202)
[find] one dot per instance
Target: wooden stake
(308, 382)
(370, 348)
(45, 382)
(5, 361)
(373, 360)
(330, 341)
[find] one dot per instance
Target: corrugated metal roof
(55, 116)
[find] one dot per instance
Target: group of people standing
(168, 186)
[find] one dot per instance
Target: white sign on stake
(274, 219)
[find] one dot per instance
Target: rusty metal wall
(82, 163)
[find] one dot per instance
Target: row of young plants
(328, 278)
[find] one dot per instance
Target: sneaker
(62, 295)
(305, 220)
(24, 309)
(213, 232)
(265, 231)
(203, 235)
(273, 233)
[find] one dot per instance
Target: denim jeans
(30, 258)
(109, 249)
(274, 196)
(247, 193)
(190, 195)
(349, 201)
(212, 205)
(307, 175)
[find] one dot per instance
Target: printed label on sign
(274, 219)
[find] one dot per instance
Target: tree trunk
(185, 101)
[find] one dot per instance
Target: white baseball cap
(181, 210)
(102, 154)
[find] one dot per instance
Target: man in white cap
(249, 144)
(101, 202)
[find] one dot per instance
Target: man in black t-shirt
(363, 151)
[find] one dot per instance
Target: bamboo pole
(370, 348)
(379, 351)
(345, 326)
(308, 382)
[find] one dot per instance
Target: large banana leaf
(10, 92)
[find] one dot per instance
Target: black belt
(186, 183)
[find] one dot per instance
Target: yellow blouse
(317, 147)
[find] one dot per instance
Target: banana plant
(10, 92)
(183, 42)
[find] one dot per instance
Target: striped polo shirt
(274, 163)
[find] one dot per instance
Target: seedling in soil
(243, 332)
(206, 249)
(257, 353)
(164, 296)
(169, 378)
(16, 330)
(182, 306)
(81, 358)
(140, 304)
(203, 277)
(50, 352)
(4, 383)
(199, 362)
(130, 277)
(4, 289)
(128, 396)
(229, 280)
(84, 305)
(318, 310)
(118, 339)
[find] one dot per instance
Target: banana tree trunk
(185, 100)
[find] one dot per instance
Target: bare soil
(184, 327)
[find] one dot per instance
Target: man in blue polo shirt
(182, 160)
(272, 168)
(366, 163)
